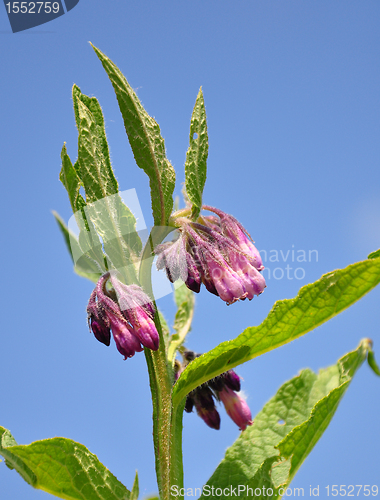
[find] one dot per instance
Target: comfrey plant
(197, 245)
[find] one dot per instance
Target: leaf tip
(372, 362)
(374, 255)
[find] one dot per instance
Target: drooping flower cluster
(126, 311)
(216, 251)
(223, 388)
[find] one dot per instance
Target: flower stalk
(167, 425)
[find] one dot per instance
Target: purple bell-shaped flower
(216, 251)
(126, 311)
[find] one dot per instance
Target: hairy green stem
(167, 426)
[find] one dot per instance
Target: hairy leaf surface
(196, 156)
(146, 142)
(63, 468)
(285, 431)
(112, 220)
(288, 320)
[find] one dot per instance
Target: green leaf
(103, 213)
(101, 171)
(271, 451)
(374, 255)
(95, 172)
(184, 316)
(113, 221)
(93, 106)
(85, 266)
(88, 257)
(71, 180)
(196, 156)
(372, 362)
(135, 488)
(146, 142)
(63, 468)
(288, 320)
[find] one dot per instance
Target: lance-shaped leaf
(112, 220)
(63, 468)
(94, 107)
(146, 142)
(184, 316)
(288, 320)
(126, 219)
(135, 488)
(88, 258)
(196, 156)
(85, 266)
(285, 431)
(71, 180)
(372, 362)
(98, 180)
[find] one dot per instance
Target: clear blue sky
(292, 99)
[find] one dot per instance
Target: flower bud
(126, 311)
(96, 323)
(126, 340)
(217, 251)
(230, 379)
(205, 407)
(222, 388)
(236, 407)
(138, 310)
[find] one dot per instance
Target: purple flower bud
(232, 380)
(126, 340)
(254, 282)
(98, 326)
(210, 417)
(228, 284)
(236, 407)
(131, 322)
(194, 272)
(239, 235)
(138, 310)
(205, 407)
(101, 331)
(222, 388)
(216, 251)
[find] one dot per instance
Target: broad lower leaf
(184, 316)
(288, 320)
(196, 156)
(63, 468)
(146, 142)
(270, 451)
